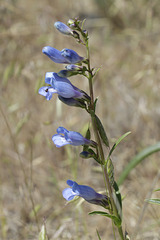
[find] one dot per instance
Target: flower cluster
(71, 95)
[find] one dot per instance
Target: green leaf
(8, 73)
(156, 190)
(138, 159)
(117, 142)
(42, 234)
(98, 235)
(95, 104)
(118, 194)
(88, 136)
(110, 171)
(117, 221)
(153, 201)
(102, 132)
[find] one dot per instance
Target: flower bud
(63, 28)
(86, 154)
(73, 67)
(71, 23)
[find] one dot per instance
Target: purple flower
(61, 86)
(71, 55)
(66, 56)
(54, 55)
(63, 28)
(47, 92)
(65, 137)
(86, 192)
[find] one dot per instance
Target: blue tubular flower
(71, 55)
(64, 87)
(66, 56)
(65, 137)
(86, 192)
(63, 28)
(54, 55)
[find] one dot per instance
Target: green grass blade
(156, 190)
(98, 235)
(138, 159)
(42, 234)
(153, 201)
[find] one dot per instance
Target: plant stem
(98, 140)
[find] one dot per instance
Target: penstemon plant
(72, 96)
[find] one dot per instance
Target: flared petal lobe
(47, 92)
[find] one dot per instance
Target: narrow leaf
(118, 194)
(98, 235)
(138, 159)
(88, 136)
(102, 132)
(42, 234)
(95, 104)
(110, 171)
(116, 220)
(153, 201)
(118, 141)
(156, 190)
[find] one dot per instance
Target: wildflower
(63, 28)
(66, 56)
(86, 192)
(61, 86)
(65, 137)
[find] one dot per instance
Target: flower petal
(47, 92)
(71, 55)
(62, 130)
(68, 194)
(54, 54)
(59, 140)
(63, 28)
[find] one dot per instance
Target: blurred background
(125, 43)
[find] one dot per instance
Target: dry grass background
(125, 42)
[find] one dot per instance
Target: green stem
(98, 140)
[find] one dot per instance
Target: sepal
(72, 102)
